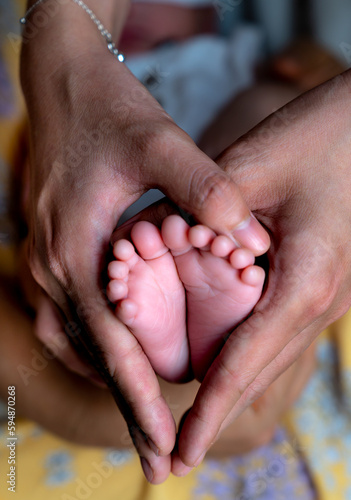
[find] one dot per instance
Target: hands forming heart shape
(291, 171)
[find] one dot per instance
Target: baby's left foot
(222, 286)
(150, 300)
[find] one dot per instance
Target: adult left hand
(293, 170)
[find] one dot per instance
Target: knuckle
(225, 371)
(253, 391)
(231, 382)
(319, 299)
(199, 415)
(211, 194)
(151, 137)
(211, 191)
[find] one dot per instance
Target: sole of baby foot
(150, 300)
(222, 286)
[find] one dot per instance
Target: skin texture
(294, 171)
(70, 407)
(88, 163)
(178, 296)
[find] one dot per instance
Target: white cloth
(193, 80)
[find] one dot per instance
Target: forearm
(62, 65)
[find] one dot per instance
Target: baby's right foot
(222, 286)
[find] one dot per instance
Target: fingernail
(179, 469)
(182, 471)
(153, 447)
(250, 234)
(149, 474)
(200, 459)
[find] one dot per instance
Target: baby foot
(222, 286)
(151, 299)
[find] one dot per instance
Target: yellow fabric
(49, 468)
(321, 420)
(11, 126)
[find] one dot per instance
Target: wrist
(56, 32)
(112, 13)
(60, 38)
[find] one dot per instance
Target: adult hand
(70, 407)
(99, 141)
(52, 396)
(46, 392)
(294, 172)
(257, 425)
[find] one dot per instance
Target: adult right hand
(98, 142)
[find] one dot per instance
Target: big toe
(175, 234)
(148, 241)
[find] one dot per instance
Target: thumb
(123, 365)
(195, 183)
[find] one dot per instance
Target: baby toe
(222, 246)
(123, 250)
(117, 270)
(116, 290)
(148, 241)
(201, 236)
(241, 258)
(253, 276)
(126, 311)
